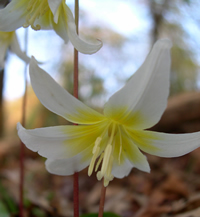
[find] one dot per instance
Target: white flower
(45, 14)
(109, 143)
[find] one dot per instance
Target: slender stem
(76, 178)
(21, 181)
(102, 200)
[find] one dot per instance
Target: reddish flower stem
(102, 200)
(22, 147)
(76, 178)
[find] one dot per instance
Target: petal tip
(19, 126)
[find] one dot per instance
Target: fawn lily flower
(45, 14)
(109, 143)
(8, 40)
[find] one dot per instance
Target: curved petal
(13, 15)
(58, 100)
(141, 102)
(79, 44)
(61, 141)
(60, 26)
(15, 48)
(66, 29)
(69, 166)
(166, 145)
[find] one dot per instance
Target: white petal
(166, 145)
(141, 102)
(122, 170)
(65, 167)
(15, 48)
(13, 15)
(60, 26)
(60, 141)
(58, 100)
(134, 155)
(78, 43)
(66, 29)
(54, 5)
(48, 142)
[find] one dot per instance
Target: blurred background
(128, 29)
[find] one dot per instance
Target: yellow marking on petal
(144, 139)
(87, 117)
(35, 9)
(124, 117)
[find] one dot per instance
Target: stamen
(106, 159)
(99, 175)
(35, 9)
(94, 157)
(97, 143)
(99, 161)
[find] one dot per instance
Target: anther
(106, 159)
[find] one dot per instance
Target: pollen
(35, 10)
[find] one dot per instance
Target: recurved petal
(13, 15)
(15, 48)
(58, 100)
(78, 43)
(141, 102)
(60, 142)
(66, 29)
(166, 145)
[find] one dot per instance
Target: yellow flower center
(36, 9)
(106, 157)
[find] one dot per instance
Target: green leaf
(106, 214)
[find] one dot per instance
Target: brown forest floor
(172, 189)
